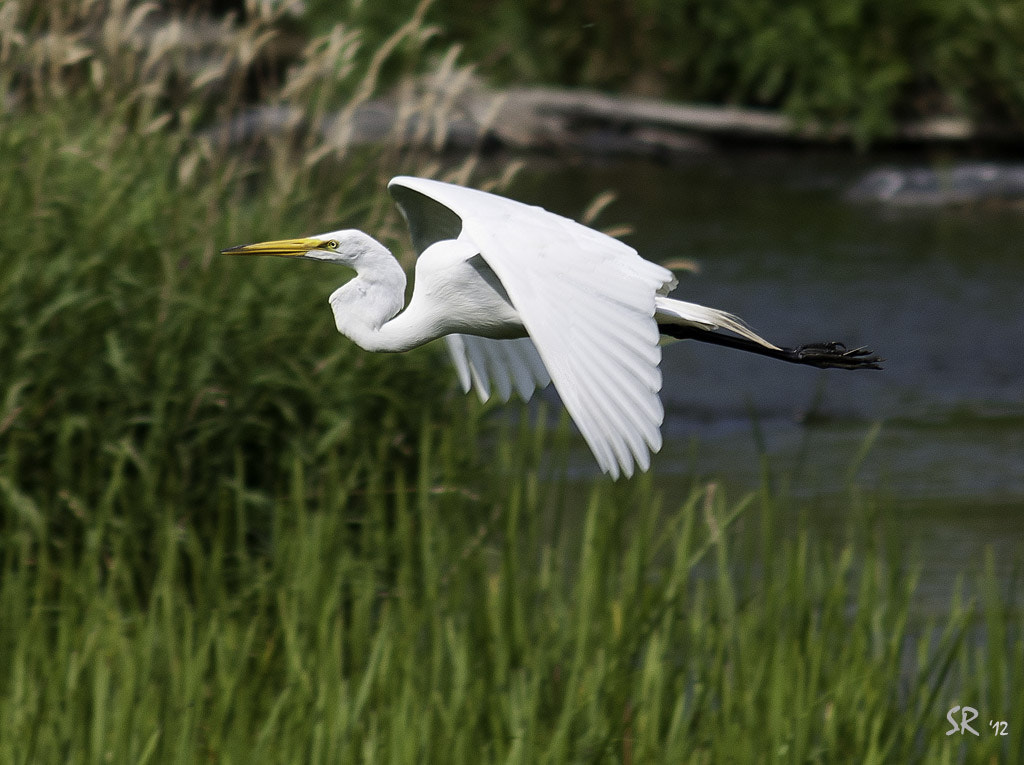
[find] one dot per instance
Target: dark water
(936, 291)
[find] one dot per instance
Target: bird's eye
(332, 245)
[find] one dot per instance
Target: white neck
(365, 309)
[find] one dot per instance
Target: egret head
(346, 246)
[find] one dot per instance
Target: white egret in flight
(524, 297)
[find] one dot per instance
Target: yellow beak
(284, 248)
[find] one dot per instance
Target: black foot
(834, 356)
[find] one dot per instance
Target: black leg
(822, 355)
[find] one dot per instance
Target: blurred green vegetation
(869, 63)
(227, 534)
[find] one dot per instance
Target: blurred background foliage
(869, 63)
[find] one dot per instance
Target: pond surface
(937, 291)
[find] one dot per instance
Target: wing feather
(478, 368)
(459, 355)
(638, 355)
(521, 360)
(608, 416)
(508, 364)
(587, 301)
(631, 408)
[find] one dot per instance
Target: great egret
(524, 297)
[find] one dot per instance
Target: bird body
(524, 297)
(462, 294)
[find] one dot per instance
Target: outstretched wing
(587, 301)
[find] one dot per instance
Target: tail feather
(671, 311)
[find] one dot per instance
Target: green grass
(228, 535)
(415, 620)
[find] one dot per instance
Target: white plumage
(525, 297)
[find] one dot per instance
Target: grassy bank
(226, 534)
